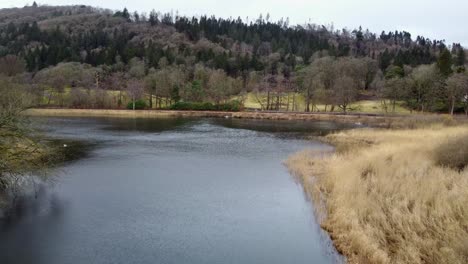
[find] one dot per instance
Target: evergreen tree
(444, 63)
(153, 18)
(461, 57)
(394, 72)
(385, 60)
(125, 14)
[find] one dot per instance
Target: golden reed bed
(392, 196)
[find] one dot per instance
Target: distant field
(251, 100)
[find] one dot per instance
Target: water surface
(172, 191)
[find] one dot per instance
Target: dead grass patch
(392, 196)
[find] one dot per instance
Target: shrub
(139, 105)
(79, 98)
(233, 106)
(453, 153)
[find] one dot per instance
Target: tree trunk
(50, 97)
(119, 102)
(452, 107)
(268, 101)
(61, 99)
(151, 100)
(294, 102)
(277, 102)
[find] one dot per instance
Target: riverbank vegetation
(85, 57)
(392, 196)
(21, 150)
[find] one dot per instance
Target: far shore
(371, 119)
(374, 119)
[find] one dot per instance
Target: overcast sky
(431, 18)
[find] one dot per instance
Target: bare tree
(345, 92)
(425, 87)
(457, 89)
(219, 86)
(116, 81)
(309, 82)
(20, 151)
(135, 90)
(392, 89)
(11, 65)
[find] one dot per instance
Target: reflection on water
(293, 128)
(171, 191)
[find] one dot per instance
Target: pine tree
(461, 57)
(444, 63)
(125, 14)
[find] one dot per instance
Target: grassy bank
(392, 196)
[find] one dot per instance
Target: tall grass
(393, 196)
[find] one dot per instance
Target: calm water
(172, 191)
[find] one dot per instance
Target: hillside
(212, 59)
(96, 36)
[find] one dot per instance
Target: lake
(171, 191)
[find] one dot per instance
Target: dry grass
(387, 196)
(453, 152)
(363, 106)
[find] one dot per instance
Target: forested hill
(86, 57)
(47, 35)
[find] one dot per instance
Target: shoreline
(361, 118)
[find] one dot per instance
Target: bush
(233, 106)
(453, 153)
(139, 105)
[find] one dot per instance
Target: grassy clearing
(376, 106)
(392, 196)
(251, 100)
(289, 101)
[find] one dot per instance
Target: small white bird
(65, 145)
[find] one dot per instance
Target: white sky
(432, 18)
